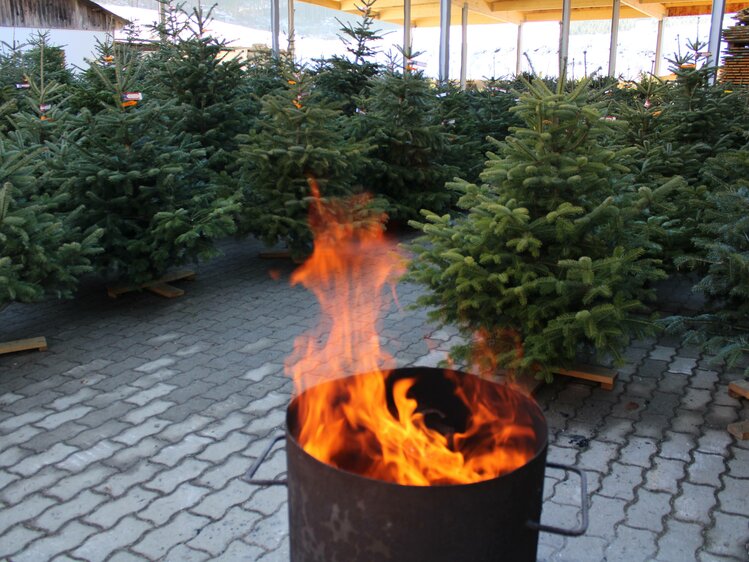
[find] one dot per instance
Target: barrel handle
(583, 506)
(248, 476)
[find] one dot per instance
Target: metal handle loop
(248, 476)
(583, 506)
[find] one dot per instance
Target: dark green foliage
(345, 79)
(472, 118)
(722, 250)
(543, 255)
(297, 140)
(194, 70)
(142, 183)
(41, 252)
(407, 165)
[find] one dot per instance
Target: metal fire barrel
(340, 516)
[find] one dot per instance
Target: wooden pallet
(740, 430)
(739, 388)
(39, 343)
(160, 286)
(606, 377)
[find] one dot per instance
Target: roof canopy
(425, 13)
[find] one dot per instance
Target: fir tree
(344, 79)
(544, 261)
(406, 166)
(142, 183)
(298, 139)
(41, 252)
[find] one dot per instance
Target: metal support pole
(716, 26)
(564, 37)
(614, 37)
(464, 46)
(659, 47)
(406, 34)
(519, 51)
(292, 31)
(444, 72)
(275, 26)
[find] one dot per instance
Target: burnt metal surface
(338, 516)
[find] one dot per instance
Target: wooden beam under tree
(28, 344)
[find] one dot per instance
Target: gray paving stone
(665, 475)
(616, 430)
(8, 398)
(680, 542)
(166, 481)
(260, 373)
(121, 482)
(649, 511)
(738, 467)
(678, 446)
(126, 556)
(684, 365)
(33, 464)
(19, 513)
(19, 437)
(706, 469)
(216, 537)
(49, 546)
(12, 456)
(695, 503)
(239, 550)
(673, 383)
(7, 478)
(81, 459)
(162, 509)
(605, 514)
(18, 490)
(70, 486)
(270, 532)
(734, 498)
(223, 427)
(143, 397)
(183, 553)
(18, 422)
(152, 366)
(16, 539)
(582, 549)
(98, 547)
(715, 442)
(177, 431)
(632, 544)
(638, 451)
(696, 399)
(729, 536)
(274, 420)
(133, 501)
(281, 554)
(621, 481)
(156, 543)
(662, 353)
(142, 414)
(66, 402)
(60, 514)
(704, 379)
(230, 444)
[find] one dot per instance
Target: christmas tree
(141, 180)
(299, 139)
(406, 168)
(544, 262)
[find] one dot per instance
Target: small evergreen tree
(298, 139)
(544, 260)
(406, 165)
(143, 183)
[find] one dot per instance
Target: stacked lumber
(736, 60)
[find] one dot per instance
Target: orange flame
(345, 420)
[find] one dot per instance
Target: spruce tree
(544, 262)
(42, 253)
(345, 79)
(142, 182)
(406, 168)
(298, 139)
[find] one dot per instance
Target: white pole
(519, 51)
(406, 34)
(444, 72)
(614, 37)
(659, 47)
(564, 36)
(716, 26)
(464, 46)
(291, 30)
(275, 27)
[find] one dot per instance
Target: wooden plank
(181, 274)
(740, 430)
(602, 375)
(739, 388)
(165, 290)
(39, 343)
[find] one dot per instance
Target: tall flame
(345, 420)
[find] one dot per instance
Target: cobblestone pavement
(128, 439)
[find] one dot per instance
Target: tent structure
(444, 13)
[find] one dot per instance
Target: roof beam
(657, 11)
(582, 14)
(536, 5)
(332, 4)
(487, 9)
